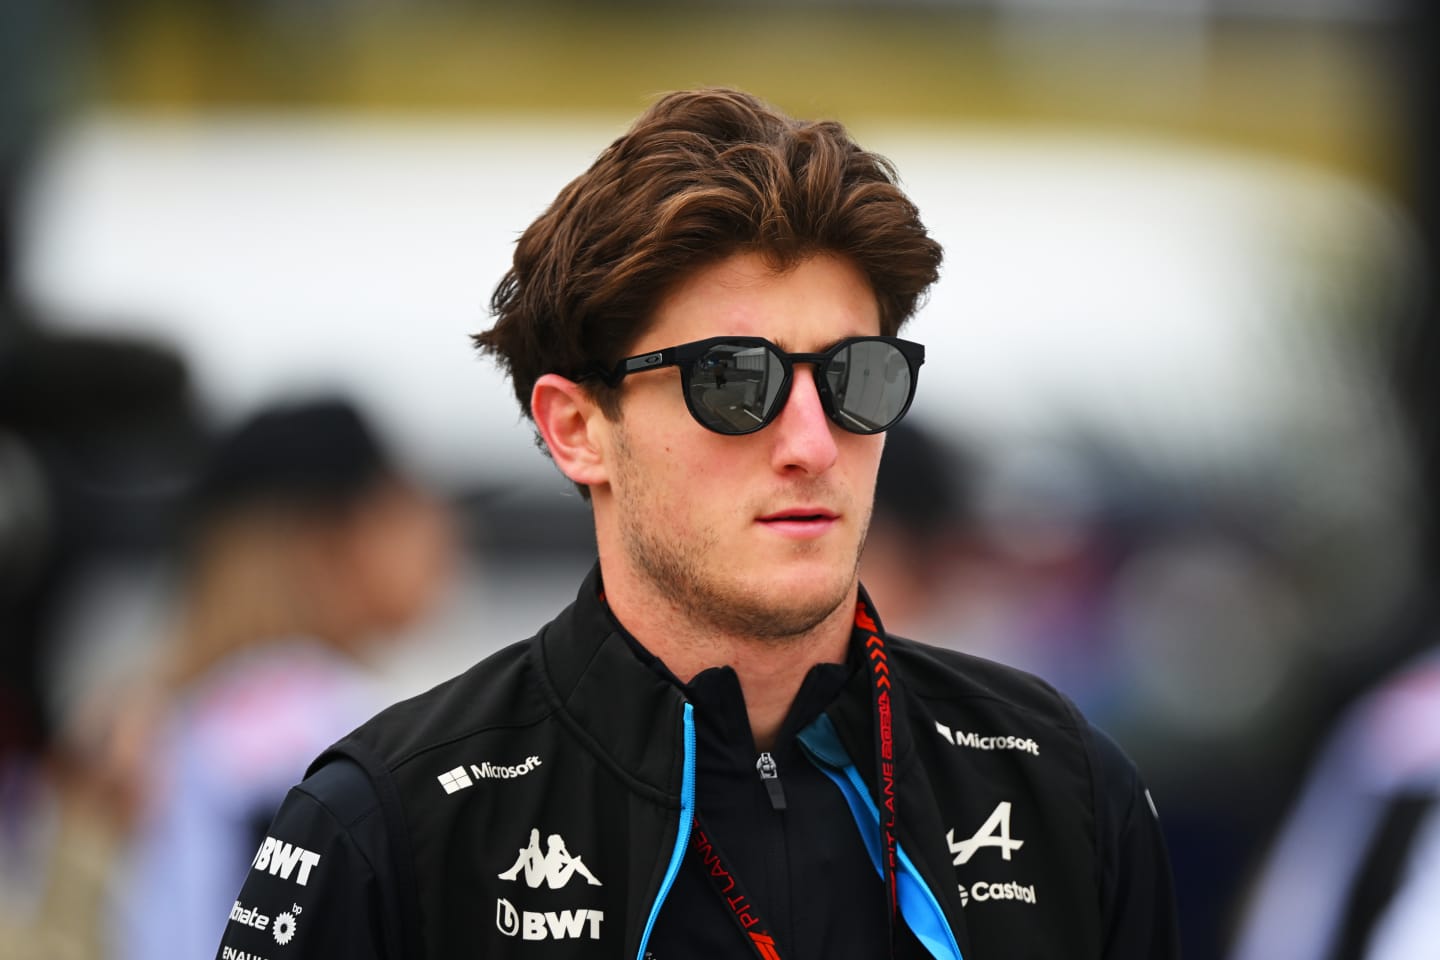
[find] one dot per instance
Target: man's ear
(572, 425)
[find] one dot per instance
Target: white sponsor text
(982, 891)
(549, 925)
(280, 859)
(492, 771)
(248, 916)
(230, 953)
(975, 741)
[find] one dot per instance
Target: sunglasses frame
(685, 356)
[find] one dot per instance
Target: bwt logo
(280, 859)
(550, 925)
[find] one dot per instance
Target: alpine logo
(280, 859)
(975, 741)
(549, 925)
(555, 867)
(995, 832)
(462, 777)
(983, 891)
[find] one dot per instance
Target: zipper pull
(770, 776)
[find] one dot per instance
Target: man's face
(759, 534)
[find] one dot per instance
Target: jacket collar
(631, 714)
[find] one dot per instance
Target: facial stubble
(681, 568)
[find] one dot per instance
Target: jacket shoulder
(937, 674)
(500, 691)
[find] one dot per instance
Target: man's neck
(770, 669)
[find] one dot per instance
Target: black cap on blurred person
(309, 452)
(921, 487)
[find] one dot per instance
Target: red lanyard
(740, 907)
(878, 660)
(724, 881)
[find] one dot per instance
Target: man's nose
(804, 439)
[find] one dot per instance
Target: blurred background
(1177, 416)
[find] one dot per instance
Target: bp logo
(283, 928)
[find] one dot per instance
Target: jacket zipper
(682, 834)
(774, 826)
(770, 776)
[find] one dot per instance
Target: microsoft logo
(456, 779)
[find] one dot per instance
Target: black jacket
(542, 805)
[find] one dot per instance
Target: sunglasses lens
(733, 387)
(871, 383)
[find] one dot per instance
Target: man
(718, 729)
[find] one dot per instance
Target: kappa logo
(549, 925)
(995, 832)
(966, 738)
(554, 868)
(461, 777)
(280, 859)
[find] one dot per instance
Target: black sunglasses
(736, 385)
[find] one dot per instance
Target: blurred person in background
(918, 547)
(91, 431)
(305, 547)
(717, 750)
(1354, 872)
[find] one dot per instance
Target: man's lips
(800, 521)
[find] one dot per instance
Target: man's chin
(778, 611)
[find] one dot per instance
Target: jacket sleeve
(1137, 891)
(321, 883)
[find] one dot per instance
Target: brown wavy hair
(701, 175)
